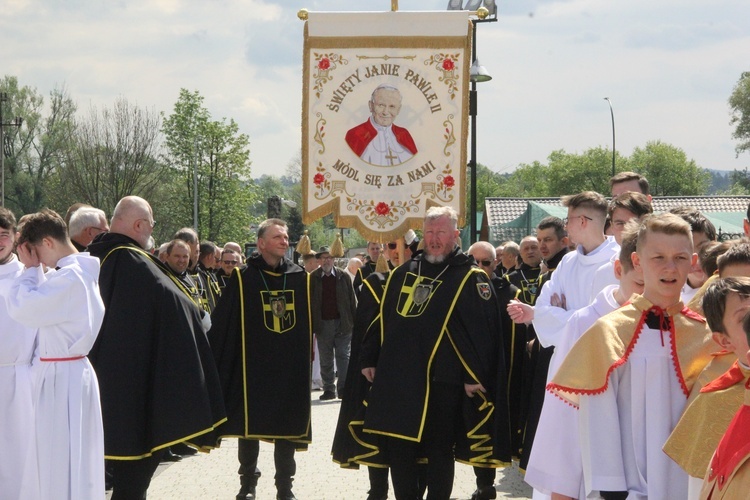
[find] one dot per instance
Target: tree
(38, 145)
(528, 180)
(218, 155)
(570, 173)
(668, 170)
(113, 153)
(739, 102)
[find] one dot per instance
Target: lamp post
(477, 74)
(5, 149)
(611, 112)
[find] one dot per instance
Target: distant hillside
(721, 180)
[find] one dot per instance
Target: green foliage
(38, 146)
(573, 173)
(668, 170)
(739, 103)
(111, 153)
(217, 154)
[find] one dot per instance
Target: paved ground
(214, 476)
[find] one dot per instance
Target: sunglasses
(486, 263)
(392, 246)
(232, 262)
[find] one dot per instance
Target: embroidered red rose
(318, 179)
(449, 65)
(324, 63)
(382, 208)
(449, 181)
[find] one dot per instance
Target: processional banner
(385, 118)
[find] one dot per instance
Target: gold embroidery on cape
(414, 285)
(278, 310)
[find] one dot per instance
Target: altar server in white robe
(65, 305)
(555, 464)
(18, 477)
(632, 372)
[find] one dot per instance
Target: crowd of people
(607, 353)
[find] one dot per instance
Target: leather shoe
(286, 496)
(247, 492)
(484, 493)
(170, 457)
(327, 396)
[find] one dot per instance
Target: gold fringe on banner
(337, 247)
(304, 247)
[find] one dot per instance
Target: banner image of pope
(384, 118)
(378, 141)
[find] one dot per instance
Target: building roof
(514, 218)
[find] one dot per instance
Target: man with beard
(261, 339)
(347, 450)
(439, 366)
(149, 400)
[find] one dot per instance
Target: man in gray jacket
(332, 304)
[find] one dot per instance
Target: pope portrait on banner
(385, 118)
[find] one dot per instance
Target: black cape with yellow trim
(457, 325)
(157, 377)
(261, 336)
(347, 449)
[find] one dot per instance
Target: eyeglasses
(151, 223)
(566, 219)
(392, 246)
(228, 262)
(100, 229)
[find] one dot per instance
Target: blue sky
(668, 66)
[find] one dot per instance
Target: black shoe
(183, 450)
(326, 396)
(247, 492)
(340, 394)
(170, 457)
(286, 496)
(484, 493)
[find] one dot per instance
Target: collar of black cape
(102, 245)
(555, 260)
(286, 266)
(526, 267)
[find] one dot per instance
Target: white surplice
(555, 463)
(67, 309)
(624, 428)
(18, 476)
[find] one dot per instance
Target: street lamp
(477, 74)
(6, 146)
(611, 112)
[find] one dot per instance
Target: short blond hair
(665, 224)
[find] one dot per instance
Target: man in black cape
(158, 381)
(439, 378)
(264, 361)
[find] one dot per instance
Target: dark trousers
(283, 458)
(485, 477)
(378, 483)
(131, 478)
(438, 439)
